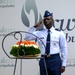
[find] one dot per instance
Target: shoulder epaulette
(39, 29)
(57, 29)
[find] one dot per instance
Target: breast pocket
(54, 41)
(42, 41)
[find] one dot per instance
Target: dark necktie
(48, 43)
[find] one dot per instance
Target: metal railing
(14, 33)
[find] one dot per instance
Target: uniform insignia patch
(57, 29)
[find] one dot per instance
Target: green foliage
(21, 50)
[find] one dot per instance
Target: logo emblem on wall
(26, 10)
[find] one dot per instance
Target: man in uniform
(55, 53)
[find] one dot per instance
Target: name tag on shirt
(41, 37)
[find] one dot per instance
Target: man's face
(48, 22)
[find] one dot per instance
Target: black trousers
(53, 65)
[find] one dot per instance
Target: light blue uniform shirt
(58, 41)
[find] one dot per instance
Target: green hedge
(22, 49)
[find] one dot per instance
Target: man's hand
(62, 69)
(38, 24)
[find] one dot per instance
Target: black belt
(50, 55)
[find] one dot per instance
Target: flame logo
(26, 9)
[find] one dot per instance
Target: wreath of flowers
(25, 47)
